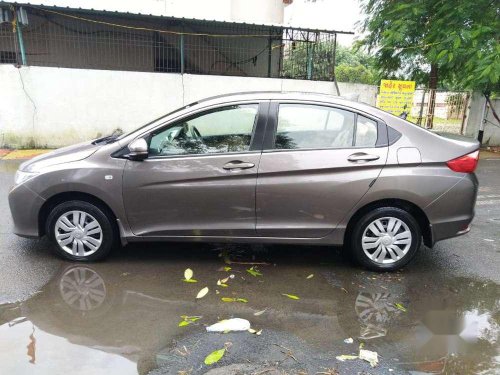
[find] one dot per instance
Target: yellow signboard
(396, 97)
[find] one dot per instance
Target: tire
(95, 235)
(393, 242)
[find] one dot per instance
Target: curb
(6, 154)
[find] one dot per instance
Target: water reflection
(122, 317)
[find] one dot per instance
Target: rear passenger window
(302, 126)
(366, 132)
(311, 126)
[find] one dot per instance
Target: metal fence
(104, 40)
(440, 110)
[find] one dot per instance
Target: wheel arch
(408, 206)
(54, 200)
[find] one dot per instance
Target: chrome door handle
(237, 164)
(361, 156)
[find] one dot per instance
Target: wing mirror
(138, 149)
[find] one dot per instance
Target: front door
(318, 164)
(199, 178)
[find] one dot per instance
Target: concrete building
(70, 74)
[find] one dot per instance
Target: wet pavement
(441, 314)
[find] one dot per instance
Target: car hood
(68, 154)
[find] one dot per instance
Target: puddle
(121, 316)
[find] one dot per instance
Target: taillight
(464, 164)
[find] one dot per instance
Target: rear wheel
(80, 231)
(385, 239)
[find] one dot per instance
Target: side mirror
(138, 149)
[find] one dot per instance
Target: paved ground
(439, 315)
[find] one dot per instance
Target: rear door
(318, 161)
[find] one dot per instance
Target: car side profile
(255, 167)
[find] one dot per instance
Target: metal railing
(104, 40)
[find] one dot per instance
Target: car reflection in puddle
(123, 318)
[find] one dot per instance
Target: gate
(443, 111)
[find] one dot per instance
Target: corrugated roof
(143, 15)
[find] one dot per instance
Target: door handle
(361, 156)
(237, 164)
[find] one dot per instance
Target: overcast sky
(325, 14)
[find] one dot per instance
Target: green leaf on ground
(252, 271)
(291, 296)
(400, 306)
(214, 357)
(190, 280)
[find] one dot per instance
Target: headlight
(22, 176)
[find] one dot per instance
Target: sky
(325, 14)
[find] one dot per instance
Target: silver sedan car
(263, 167)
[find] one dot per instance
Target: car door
(318, 161)
(200, 175)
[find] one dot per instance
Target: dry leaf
(202, 293)
(345, 357)
(188, 274)
(260, 312)
(310, 276)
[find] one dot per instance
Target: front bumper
(25, 206)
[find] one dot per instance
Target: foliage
(460, 39)
(352, 65)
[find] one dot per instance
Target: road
(121, 316)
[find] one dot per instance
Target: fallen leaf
(400, 306)
(230, 299)
(258, 333)
(349, 340)
(214, 356)
(260, 312)
(345, 357)
(252, 271)
(202, 293)
(291, 296)
(310, 276)
(187, 320)
(190, 280)
(227, 269)
(251, 330)
(369, 356)
(188, 274)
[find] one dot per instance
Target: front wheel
(385, 239)
(80, 231)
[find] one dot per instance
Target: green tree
(352, 65)
(452, 43)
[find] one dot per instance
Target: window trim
(272, 128)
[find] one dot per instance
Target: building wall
(53, 107)
(491, 135)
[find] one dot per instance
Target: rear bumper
(25, 206)
(451, 214)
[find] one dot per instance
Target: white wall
(58, 106)
(491, 135)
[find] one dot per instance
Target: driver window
(227, 129)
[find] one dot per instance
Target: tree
(352, 65)
(451, 42)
